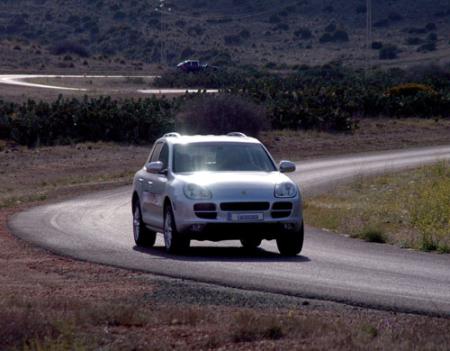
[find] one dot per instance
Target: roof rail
(172, 135)
(237, 134)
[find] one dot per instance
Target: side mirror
(154, 167)
(287, 167)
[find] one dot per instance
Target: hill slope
(70, 34)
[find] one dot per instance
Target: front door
(155, 189)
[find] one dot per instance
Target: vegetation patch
(410, 209)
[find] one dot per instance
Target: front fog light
(285, 190)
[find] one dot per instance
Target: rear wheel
(291, 243)
(173, 240)
(142, 235)
(250, 243)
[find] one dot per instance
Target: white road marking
(20, 80)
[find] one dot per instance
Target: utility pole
(368, 31)
(162, 36)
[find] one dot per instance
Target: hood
(237, 185)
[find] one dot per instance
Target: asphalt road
(97, 228)
(26, 80)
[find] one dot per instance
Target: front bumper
(224, 225)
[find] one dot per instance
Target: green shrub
(373, 235)
(72, 120)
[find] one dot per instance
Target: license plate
(246, 217)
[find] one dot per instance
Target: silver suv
(216, 188)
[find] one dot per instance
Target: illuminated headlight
(285, 190)
(197, 192)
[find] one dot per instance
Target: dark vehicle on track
(193, 66)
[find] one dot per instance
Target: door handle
(150, 182)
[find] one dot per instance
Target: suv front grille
(244, 206)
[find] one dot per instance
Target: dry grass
(132, 324)
(373, 135)
(410, 209)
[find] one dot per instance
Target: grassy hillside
(81, 34)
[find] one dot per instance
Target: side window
(156, 151)
(164, 156)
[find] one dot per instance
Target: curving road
(25, 80)
(97, 228)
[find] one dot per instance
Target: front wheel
(173, 241)
(291, 243)
(142, 235)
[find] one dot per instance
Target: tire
(173, 240)
(251, 243)
(143, 236)
(291, 243)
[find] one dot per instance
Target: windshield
(221, 157)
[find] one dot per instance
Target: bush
(274, 19)
(389, 52)
(417, 30)
(432, 37)
(427, 47)
(222, 114)
(232, 39)
(338, 36)
(373, 235)
(430, 27)
(410, 89)
(303, 33)
(382, 23)
(281, 26)
(69, 47)
(377, 45)
(64, 121)
(395, 16)
(361, 9)
(245, 34)
(341, 36)
(331, 28)
(412, 99)
(414, 41)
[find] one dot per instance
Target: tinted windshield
(221, 157)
